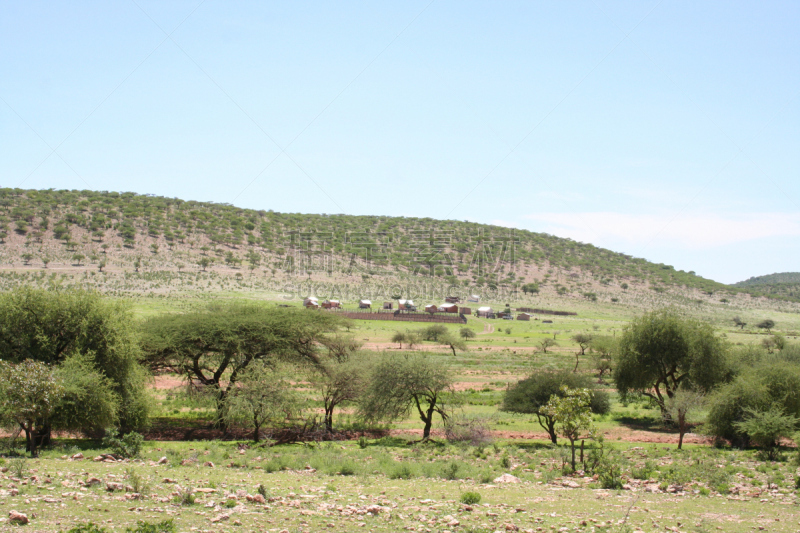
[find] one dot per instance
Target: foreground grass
(390, 485)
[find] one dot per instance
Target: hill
(129, 234)
(780, 285)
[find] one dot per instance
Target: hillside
(781, 285)
(140, 235)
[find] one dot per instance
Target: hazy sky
(668, 130)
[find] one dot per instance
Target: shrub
(263, 491)
(130, 445)
(90, 527)
(165, 526)
(363, 442)
(401, 472)
(450, 470)
(470, 498)
(474, 430)
(766, 428)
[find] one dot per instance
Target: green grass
(308, 485)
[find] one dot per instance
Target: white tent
(364, 304)
(474, 298)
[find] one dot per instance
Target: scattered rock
(209, 464)
(220, 518)
(77, 457)
(257, 498)
(112, 486)
(162, 461)
(169, 480)
(89, 481)
(506, 478)
(17, 518)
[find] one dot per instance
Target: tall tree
(214, 346)
(54, 326)
(399, 384)
(661, 350)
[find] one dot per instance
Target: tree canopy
(661, 350)
(401, 383)
(53, 326)
(533, 393)
(215, 345)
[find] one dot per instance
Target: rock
(98, 458)
(51, 500)
(169, 480)
(256, 498)
(220, 518)
(17, 518)
(77, 457)
(506, 478)
(571, 484)
(185, 462)
(206, 490)
(90, 481)
(209, 464)
(512, 527)
(162, 461)
(112, 486)
(374, 509)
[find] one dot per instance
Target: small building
(364, 304)
(388, 305)
(474, 298)
(485, 312)
(448, 308)
(331, 304)
(311, 302)
(431, 309)
(465, 311)
(524, 316)
(406, 305)
(452, 299)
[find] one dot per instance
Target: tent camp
(406, 305)
(448, 308)
(331, 304)
(524, 316)
(364, 304)
(431, 308)
(474, 298)
(485, 311)
(311, 302)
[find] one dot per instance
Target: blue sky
(667, 130)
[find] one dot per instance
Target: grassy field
(395, 483)
(390, 485)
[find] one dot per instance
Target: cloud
(689, 230)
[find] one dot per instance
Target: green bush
(88, 528)
(165, 526)
(130, 445)
(470, 498)
(450, 470)
(402, 471)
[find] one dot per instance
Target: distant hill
(784, 285)
(120, 232)
(770, 279)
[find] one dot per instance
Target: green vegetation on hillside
(67, 224)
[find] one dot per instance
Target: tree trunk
(329, 418)
(572, 446)
(426, 433)
(257, 430)
(454, 350)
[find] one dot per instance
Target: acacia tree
(530, 395)
(399, 337)
(583, 340)
(547, 343)
(572, 411)
(56, 327)
(453, 342)
(602, 348)
(262, 396)
(661, 350)
(29, 394)
(399, 384)
(767, 324)
(340, 381)
(224, 340)
(681, 407)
